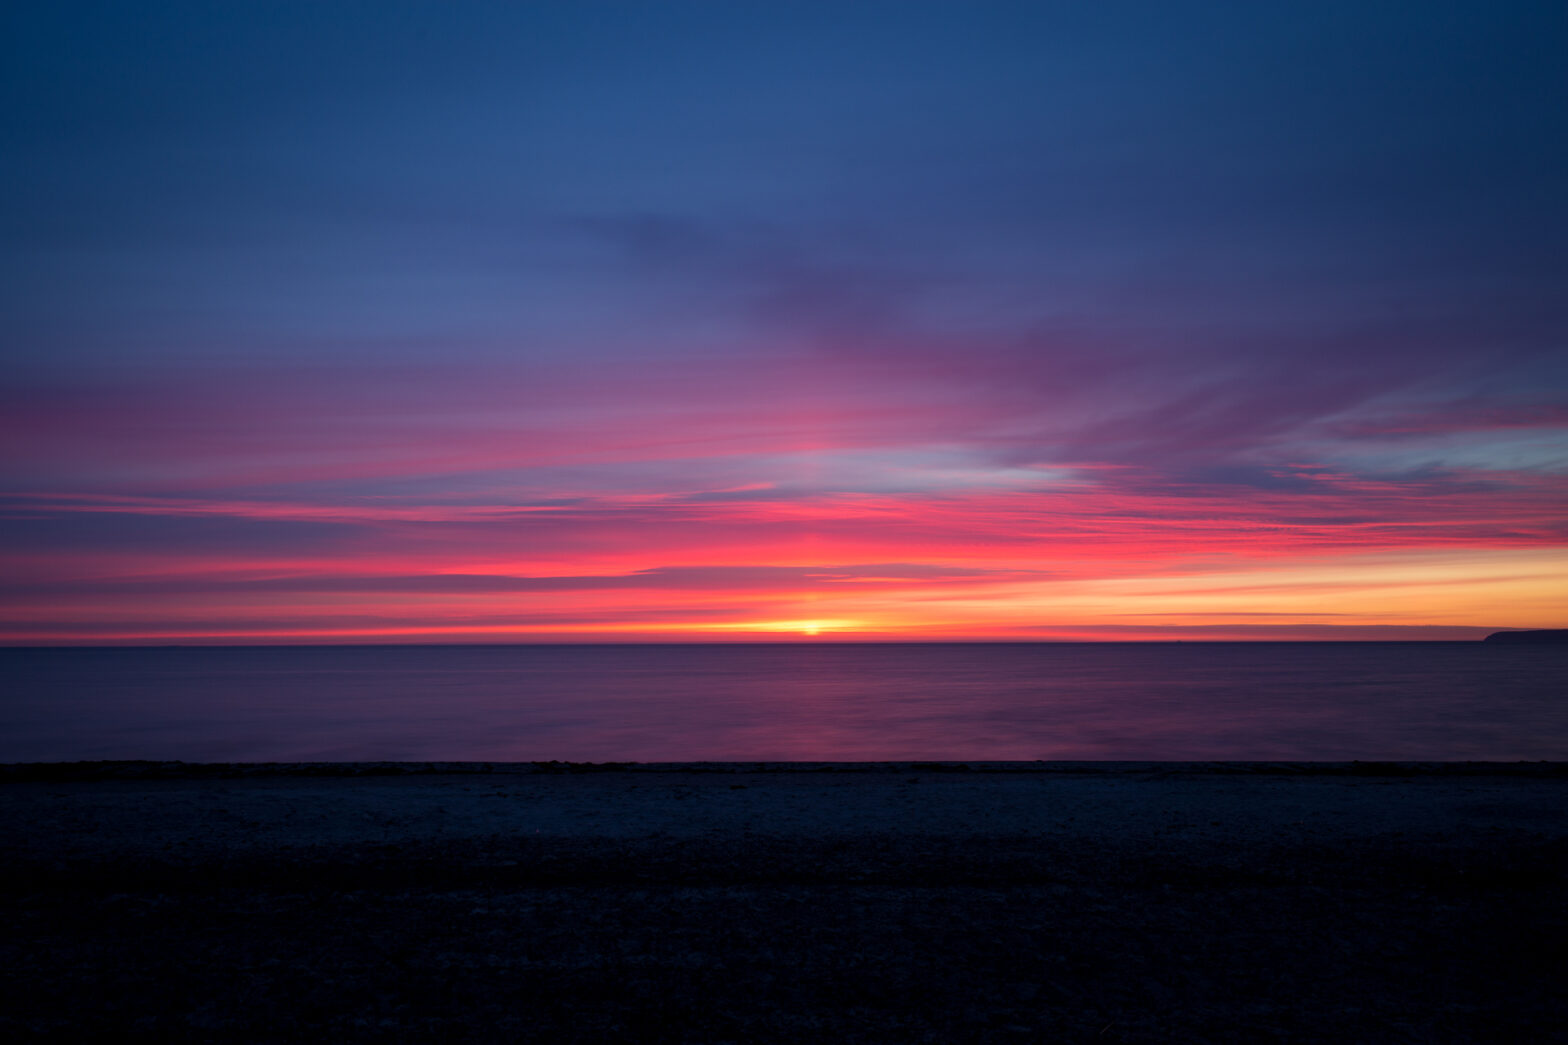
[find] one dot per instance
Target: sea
(803, 701)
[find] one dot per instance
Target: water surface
(975, 701)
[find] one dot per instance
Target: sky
(732, 321)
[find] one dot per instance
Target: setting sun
(797, 627)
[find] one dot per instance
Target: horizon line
(131, 644)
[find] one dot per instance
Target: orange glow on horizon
(1066, 561)
(811, 627)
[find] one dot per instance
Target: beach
(886, 902)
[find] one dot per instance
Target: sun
(812, 627)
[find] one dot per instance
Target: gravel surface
(743, 903)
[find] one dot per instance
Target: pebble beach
(885, 902)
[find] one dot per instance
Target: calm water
(792, 702)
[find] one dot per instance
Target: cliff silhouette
(1540, 635)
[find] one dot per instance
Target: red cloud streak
(1013, 563)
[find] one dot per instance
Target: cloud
(768, 579)
(1457, 417)
(166, 535)
(1221, 632)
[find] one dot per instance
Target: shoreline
(1047, 816)
(779, 902)
(148, 769)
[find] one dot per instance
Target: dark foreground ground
(889, 903)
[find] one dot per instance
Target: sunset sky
(665, 321)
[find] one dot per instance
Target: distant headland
(1543, 635)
